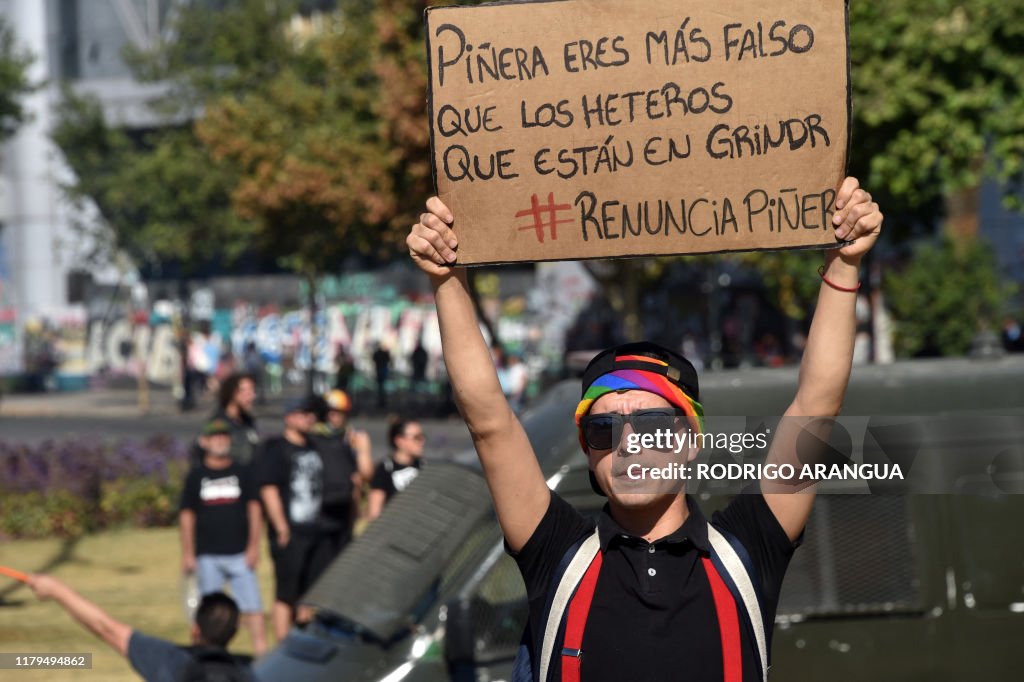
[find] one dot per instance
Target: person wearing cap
(289, 471)
(348, 461)
(335, 423)
(667, 600)
(220, 521)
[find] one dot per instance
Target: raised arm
(825, 367)
(92, 617)
(513, 475)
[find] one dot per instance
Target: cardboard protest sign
(567, 129)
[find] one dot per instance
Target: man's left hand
(857, 218)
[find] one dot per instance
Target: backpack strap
(733, 567)
(571, 578)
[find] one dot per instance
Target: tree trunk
(143, 359)
(314, 334)
(962, 216)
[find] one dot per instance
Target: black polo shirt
(653, 615)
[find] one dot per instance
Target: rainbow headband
(640, 380)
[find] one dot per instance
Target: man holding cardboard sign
(630, 128)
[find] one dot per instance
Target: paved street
(114, 414)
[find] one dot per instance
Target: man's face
(611, 467)
(218, 445)
(336, 419)
(245, 396)
(300, 421)
(412, 440)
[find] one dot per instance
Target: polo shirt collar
(694, 529)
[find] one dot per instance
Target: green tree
(14, 82)
(305, 147)
(945, 296)
(937, 107)
(937, 101)
(160, 192)
(160, 196)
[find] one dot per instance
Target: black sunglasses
(603, 431)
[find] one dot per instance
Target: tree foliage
(159, 194)
(305, 144)
(14, 82)
(280, 146)
(944, 296)
(938, 99)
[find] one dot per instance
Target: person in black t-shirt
(220, 527)
(656, 592)
(290, 474)
(396, 472)
(348, 461)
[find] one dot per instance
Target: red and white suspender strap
(728, 624)
(576, 622)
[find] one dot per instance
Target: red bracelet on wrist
(821, 272)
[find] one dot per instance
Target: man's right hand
(188, 564)
(44, 586)
(284, 536)
(432, 242)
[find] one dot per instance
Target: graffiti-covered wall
(124, 336)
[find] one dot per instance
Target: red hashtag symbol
(539, 213)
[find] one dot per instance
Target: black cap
(300, 404)
(679, 370)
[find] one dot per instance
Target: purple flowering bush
(66, 488)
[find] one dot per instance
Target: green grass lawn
(133, 574)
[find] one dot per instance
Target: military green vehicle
(884, 587)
